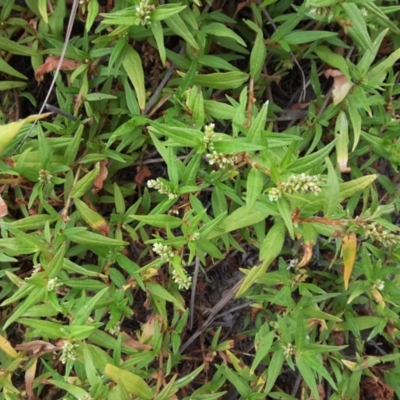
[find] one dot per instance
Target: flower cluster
(209, 136)
(378, 285)
(161, 188)
(194, 236)
(115, 329)
(53, 284)
(213, 157)
(376, 231)
(163, 251)
(45, 177)
(321, 13)
(68, 352)
(223, 160)
(288, 350)
(143, 11)
(184, 281)
(296, 184)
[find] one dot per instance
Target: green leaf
(160, 221)
(358, 29)
(284, 211)
(274, 369)
(158, 34)
(333, 59)
(36, 295)
(92, 218)
(304, 164)
(133, 383)
(7, 69)
(270, 249)
(254, 186)
(308, 375)
(10, 46)
(240, 218)
(342, 142)
(164, 11)
(353, 109)
(91, 238)
(47, 328)
(332, 190)
(377, 74)
(33, 222)
(263, 347)
(258, 125)
(92, 14)
(221, 80)
(99, 96)
(184, 136)
(162, 293)
(74, 390)
(220, 30)
(178, 26)
(133, 66)
(84, 184)
(301, 36)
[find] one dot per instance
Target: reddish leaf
(51, 64)
(101, 177)
(3, 208)
(142, 172)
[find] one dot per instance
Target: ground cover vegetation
(206, 206)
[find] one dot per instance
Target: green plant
(174, 159)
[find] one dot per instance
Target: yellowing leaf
(133, 384)
(349, 249)
(6, 347)
(94, 219)
(10, 131)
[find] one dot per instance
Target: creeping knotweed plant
(143, 11)
(161, 188)
(296, 184)
(68, 352)
(163, 251)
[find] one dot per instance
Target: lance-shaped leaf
(92, 218)
(270, 249)
(10, 131)
(349, 249)
(133, 67)
(134, 384)
(342, 143)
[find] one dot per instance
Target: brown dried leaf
(3, 208)
(341, 85)
(137, 345)
(51, 64)
(29, 378)
(101, 177)
(308, 250)
(37, 347)
(142, 172)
